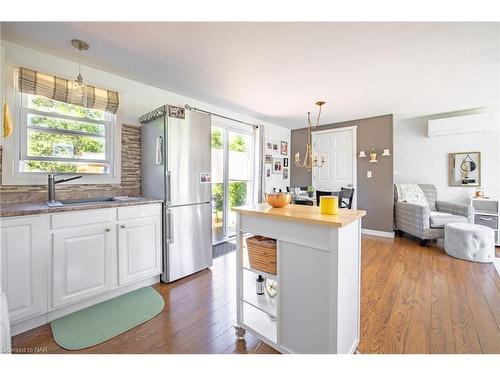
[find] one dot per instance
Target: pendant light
(79, 89)
(310, 160)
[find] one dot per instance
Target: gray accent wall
(375, 195)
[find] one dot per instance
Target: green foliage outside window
(217, 141)
(48, 105)
(237, 193)
(42, 143)
(62, 124)
(237, 189)
(238, 144)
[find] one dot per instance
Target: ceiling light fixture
(310, 160)
(79, 90)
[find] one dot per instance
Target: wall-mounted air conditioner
(477, 123)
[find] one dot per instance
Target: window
(58, 137)
(63, 138)
(57, 132)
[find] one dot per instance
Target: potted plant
(310, 191)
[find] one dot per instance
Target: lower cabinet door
(82, 262)
(139, 249)
(24, 265)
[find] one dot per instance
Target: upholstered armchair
(426, 219)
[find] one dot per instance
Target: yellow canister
(329, 205)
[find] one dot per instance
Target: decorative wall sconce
(373, 154)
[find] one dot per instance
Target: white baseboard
(377, 233)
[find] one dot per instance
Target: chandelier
(310, 159)
(79, 90)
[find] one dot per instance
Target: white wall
(136, 98)
(276, 134)
(420, 159)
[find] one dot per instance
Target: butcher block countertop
(305, 214)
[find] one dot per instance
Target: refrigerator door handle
(169, 189)
(159, 150)
(167, 227)
(170, 227)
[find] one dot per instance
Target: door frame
(354, 130)
(231, 126)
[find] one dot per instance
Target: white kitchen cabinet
(24, 265)
(57, 263)
(83, 260)
(139, 249)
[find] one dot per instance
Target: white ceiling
(276, 71)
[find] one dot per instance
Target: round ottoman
(470, 242)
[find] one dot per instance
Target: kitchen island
(317, 307)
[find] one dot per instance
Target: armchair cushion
(430, 192)
(411, 193)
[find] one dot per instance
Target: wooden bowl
(278, 200)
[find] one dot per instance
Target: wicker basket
(262, 254)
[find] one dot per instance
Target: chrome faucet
(51, 185)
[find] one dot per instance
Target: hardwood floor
(414, 300)
(419, 300)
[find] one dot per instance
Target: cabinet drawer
(486, 220)
(70, 219)
(135, 212)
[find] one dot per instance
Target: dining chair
(346, 197)
(319, 194)
(303, 202)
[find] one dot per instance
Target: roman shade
(60, 89)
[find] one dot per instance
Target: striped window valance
(61, 89)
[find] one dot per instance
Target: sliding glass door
(218, 191)
(232, 177)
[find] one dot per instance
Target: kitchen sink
(68, 202)
(84, 201)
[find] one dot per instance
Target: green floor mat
(101, 322)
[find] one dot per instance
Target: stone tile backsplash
(130, 177)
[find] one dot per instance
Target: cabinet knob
(108, 229)
(122, 226)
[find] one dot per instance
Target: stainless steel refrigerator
(176, 167)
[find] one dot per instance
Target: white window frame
(15, 149)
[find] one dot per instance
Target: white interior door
(338, 149)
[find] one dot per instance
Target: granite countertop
(37, 208)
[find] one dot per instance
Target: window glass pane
(240, 175)
(44, 104)
(65, 146)
(64, 124)
(62, 167)
(240, 157)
